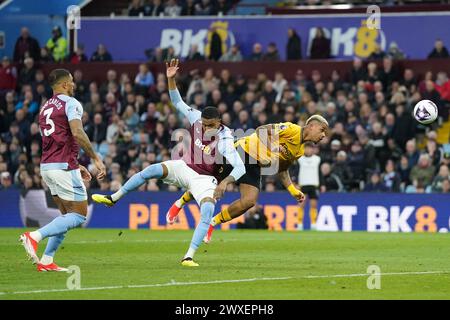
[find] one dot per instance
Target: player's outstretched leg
(249, 196)
(59, 225)
(154, 171)
(221, 217)
(174, 210)
(207, 211)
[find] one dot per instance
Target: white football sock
(36, 236)
(190, 253)
(46, 260)
(117, 195)
(178, 203)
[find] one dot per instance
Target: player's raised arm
(227, 149)
(287, 183)
(74, 111)
(190, 113)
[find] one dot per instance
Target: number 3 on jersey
(49, 122)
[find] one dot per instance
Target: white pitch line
(174, 283)
(375, 274)
(169, 284)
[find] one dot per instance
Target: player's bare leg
(175, 209)
(154, 171)
(249, 197)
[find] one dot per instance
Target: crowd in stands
(176, 8)
(374, 144)
(56, 50)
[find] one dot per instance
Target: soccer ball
(425, 111)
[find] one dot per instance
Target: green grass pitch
(237, 264)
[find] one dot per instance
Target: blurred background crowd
(374, 143)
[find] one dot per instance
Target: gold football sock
(313, 215)
(301, 214)
(185, 198)
(223, 216)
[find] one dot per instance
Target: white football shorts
(180, 174)
(68, 185)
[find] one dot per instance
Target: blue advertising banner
(337, 211)
(127, 38)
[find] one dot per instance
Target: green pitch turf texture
(235, 265)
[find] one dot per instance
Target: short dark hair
(56, 75)
(210, 113)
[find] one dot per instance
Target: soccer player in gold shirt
(272, 149)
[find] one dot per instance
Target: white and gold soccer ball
(425, 111)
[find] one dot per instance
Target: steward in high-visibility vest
(57, 45)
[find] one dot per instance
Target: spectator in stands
(194, 54)
(168, 53)
(7, 111)
(431, 93)
(222, 7)
(342, 170)
(78, 55)
(329, 181)
(438, 181)
(8, 76)
(356, 161)
(26, 46)
(135, 8)
(388, 73)
(215, 46)
(204, 8)
(188, 8)
(172, 9)
(409, 79)
(46, 57)
(391, 179)
(423, 170)
(143, 80)
(97, 131)
(394, 52)
(279, 84)
(439, 50)
(377, 53)
(112, 106)
(22, 122)
(57, 45)
(155, 9)
(233, 55)
(101, 54)
(28, 104)
(257, 53)
(442, 85)
(321, 46)
(155, 55)
(27, 73)
(294, 45)
(404, 128)
(375, 184)
(6, 181)
(272, 53)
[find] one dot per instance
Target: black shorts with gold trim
(252, 174)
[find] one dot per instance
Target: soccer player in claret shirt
(211, 148)
(273, 146)
(62, 135)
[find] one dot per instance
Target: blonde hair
(317, 117)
